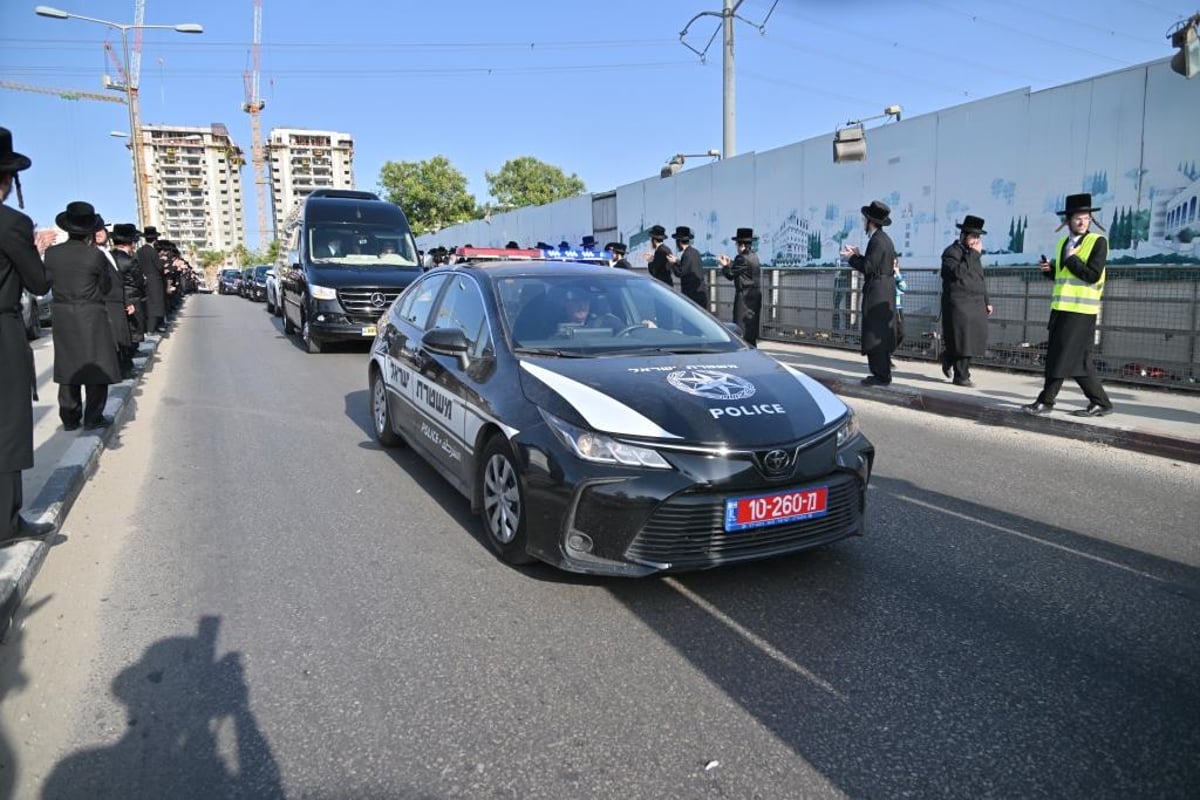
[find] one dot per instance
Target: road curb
(1157, 444)
(20, 562)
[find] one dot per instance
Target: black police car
(600, 422)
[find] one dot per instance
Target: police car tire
(381, 415)
(498, 477)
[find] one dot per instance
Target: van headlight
(322, 292)
(848, 430)
(601, 448)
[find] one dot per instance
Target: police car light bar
(528, 254)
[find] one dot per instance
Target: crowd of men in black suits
(108, 294)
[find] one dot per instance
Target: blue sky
(601, 89)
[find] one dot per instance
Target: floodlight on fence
(850, 142)
(1186, 37)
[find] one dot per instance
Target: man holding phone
(1078, 272)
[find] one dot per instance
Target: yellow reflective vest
(1070, 293)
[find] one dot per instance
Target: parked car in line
(349, 255)
(273, 292)
(256, 288)
(229, 281)
(247, 282)
(600, 422)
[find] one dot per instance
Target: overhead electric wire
(367, 71)
(348, 47)
(1078, 21)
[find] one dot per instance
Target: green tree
(432, 193)
(525, 181)
(249, 258)
(212, 258)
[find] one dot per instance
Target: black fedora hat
(512, 245)
(617, 247)
(744, 235)
(79, 218)
(658, 232)
(589, 242)
(1078, 203)
(682, 233)
(150, 233)
(971, 224)
(878, 212)
(125, 233)
(11, 161)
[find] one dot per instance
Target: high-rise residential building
(194, 186)
(304, 160)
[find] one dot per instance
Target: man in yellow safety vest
(1078, 273)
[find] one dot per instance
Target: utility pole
(727, 14)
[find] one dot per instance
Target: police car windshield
(609, 313)
(362, 245)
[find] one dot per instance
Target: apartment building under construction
(194, 186)
(303, 160)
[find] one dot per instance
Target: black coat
(660, 267)
(20, 268)
(964, 302)
(621, 263)
(745, 271)
(690, 271)
(156, 288)
(84, 350)
(1072, 336)
(878, 293)
(135, 293)
(114, 302)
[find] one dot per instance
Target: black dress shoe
(963, 382)
(32, 529)
(873, 380)
(103, 422)
(1093, 410)
(946, 369)
(74, 426)
(1037, 409)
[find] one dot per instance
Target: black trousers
(10, 503)
(879, 361)
(71, 409)
(1090, 384)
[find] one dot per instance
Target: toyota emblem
(377, 299)
(776, 461)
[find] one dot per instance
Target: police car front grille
(357, 302)
(689, 530)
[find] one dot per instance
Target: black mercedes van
(349, 254)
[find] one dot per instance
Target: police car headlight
(322, 292)
(602, 449)
(848, 430)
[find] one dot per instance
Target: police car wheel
(380, 415)
(503, 502)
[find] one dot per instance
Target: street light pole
(141, 194)
(728, 104)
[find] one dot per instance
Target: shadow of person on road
(12, 678)
(189, 731)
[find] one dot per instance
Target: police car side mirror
(447, 342)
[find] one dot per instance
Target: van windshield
(361, 244)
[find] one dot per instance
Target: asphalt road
(254, 600)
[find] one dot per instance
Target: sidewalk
(63, 461)
(1148, 420)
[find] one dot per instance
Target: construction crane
(253, 106)
(65, 94)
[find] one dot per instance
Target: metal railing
(1147, 330)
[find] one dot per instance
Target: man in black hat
(659, 260)
(156, 289)
(965, 304)
(616, 255)
(133, 280)
(688, 268)
(85, 353)
(1078, 272)
(745, 270)
(589, 243)
(115, 304)
(878, 292)
(20, 270)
